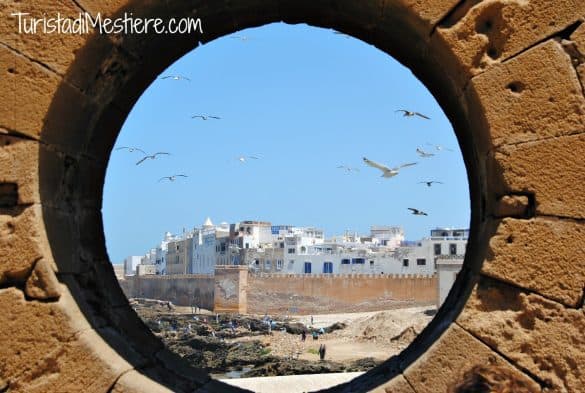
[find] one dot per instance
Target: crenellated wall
(332, 293)
(182, 290)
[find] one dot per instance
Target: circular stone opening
(267, 129)
(126, 65)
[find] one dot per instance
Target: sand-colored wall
(182, 290)
(231, 283)
(331, 293)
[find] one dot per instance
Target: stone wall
(334, 293)
(231, 283)
(509, 75)
(182, 290)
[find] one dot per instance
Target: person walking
(322, 350)
(303, 336)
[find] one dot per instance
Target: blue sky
(304, 100)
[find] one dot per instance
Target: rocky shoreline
(230, 345)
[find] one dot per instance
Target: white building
(157, 256)
(130, 264)
(207, 246)
(384, 252)
(251, 234)
(288, 249)
(448, 267)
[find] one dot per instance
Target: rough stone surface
(449, 358)
(24, 112)
(46, 355)
(397, 385)
(431, 12)
(520, 122)
(495, 30)
(18, 166)
(42, 283)
(513, 206)
(551, 169)
(22, 242)
(45, 108)
(532, 96)
(545, 255)
(578, 37)
(56, 51)
(539, 335)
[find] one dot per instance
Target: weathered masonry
(509, 75)
(234, 289)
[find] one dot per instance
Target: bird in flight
(347, 168)
(423, 153)
(407, 113)
(205, 117)
(417, 212)
(243, 159)
(171, 178)
(388, 172)
(341, 34)
(131, 149)
(439, 147)
(429, 183)
(176, 77)
(152, 157)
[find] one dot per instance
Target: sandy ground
(378, 334)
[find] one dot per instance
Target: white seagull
(423, 153)
(152, 157)
(439, 147)
(171, 178)
(407, 113)
(176, 77)
(131, 149)
(417, 212)
(205, 117)
(347, 168)
(243, 159)
(429, 183)
(388, 172)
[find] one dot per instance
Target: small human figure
(170, 305)
(322, 350)
(311, 320)
(321, 331)
(303, 335)
(315, 335)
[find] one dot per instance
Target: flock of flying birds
(387, 172)
(205, 117)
